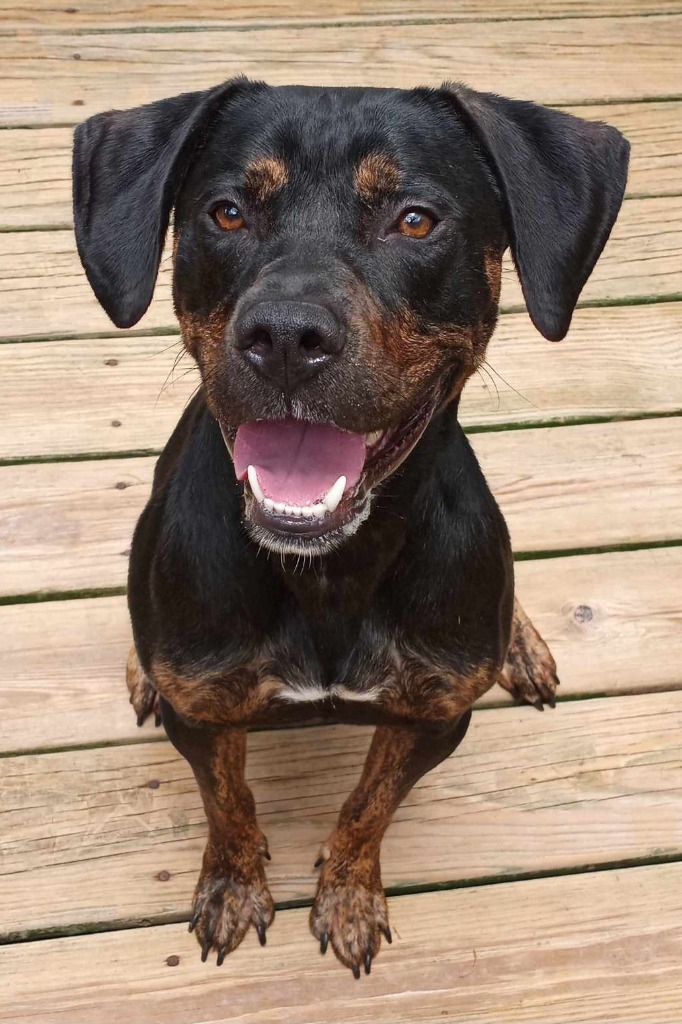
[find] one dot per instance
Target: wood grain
(98, 14)
(621, 361)
(613, 622)
(35, 163)
(44, 291)
(599, 947)
(596, 782)
(67, 526)
(59, 78)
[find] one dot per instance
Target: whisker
(511, 386)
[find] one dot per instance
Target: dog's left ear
(562, 181)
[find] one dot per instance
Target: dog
(320, 543)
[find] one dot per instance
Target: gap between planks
(116, 833)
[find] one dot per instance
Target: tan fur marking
(493, 271)
(376, 175)
(232, 698)
(266, 177)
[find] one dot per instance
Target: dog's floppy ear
(562, 181)
(127, 168)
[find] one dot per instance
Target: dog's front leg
(232, 892)
(350, 910)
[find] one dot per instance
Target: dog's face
(337, 261)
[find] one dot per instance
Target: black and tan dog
(320, 542)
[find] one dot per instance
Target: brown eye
(416, 223)
(228, 217)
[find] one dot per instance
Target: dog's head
(337, 258)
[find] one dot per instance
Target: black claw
(262, 938)
(537, 703)
(551, 700)
(356, 971)
(386, 932)
(266, 854)
(324, 942)
(221, 957)
(193, 921)
(140, 719)
(157, 720)
(319, 862)
(205, 950)
(368, 963)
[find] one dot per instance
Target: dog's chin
(359, 464)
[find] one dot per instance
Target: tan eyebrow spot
(266, 177)
(376, 175)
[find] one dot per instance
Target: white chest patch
(303, 694)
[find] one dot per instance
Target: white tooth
(319, 510)
(255, 486)
(374, 437)
(269, 504)
(280, 507)
(296, 511)
(334, 494)
(308, 510)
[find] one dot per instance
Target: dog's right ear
(128, 166)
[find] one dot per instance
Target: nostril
(259, 341)
(311, 341)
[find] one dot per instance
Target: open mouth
(307, 480)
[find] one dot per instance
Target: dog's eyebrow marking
(376, 176)
(265, 177)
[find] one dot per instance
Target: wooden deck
(537, 875)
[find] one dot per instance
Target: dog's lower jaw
(307, 546)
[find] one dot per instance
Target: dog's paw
(350, 913)
(143, 695)
(529, 671)
(225, 907)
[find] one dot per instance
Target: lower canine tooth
(373, 437)
(334, 494)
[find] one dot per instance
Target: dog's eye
(416, 223)
(228, 217)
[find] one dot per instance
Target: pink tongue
(297, 462)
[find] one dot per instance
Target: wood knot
(173, 961)
(583, 613)
(163, 876)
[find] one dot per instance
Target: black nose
(289, 342)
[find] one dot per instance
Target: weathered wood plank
(599, 947)
(35, 177)
(613, 623)
(35, 163)
(53, 78)
(44, 291)
(97, 14)
(620, 361)
(67, 526)
(596, 782)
